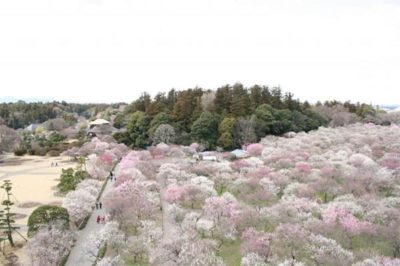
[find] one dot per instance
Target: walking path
(78, 256)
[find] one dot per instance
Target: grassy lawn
(130, 262)
(376, 243)
(230, 253)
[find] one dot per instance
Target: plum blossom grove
(327, 197)
(101, 157)
(50, 245)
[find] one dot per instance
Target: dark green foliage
(20, 151)
(205, 129)
(55, 138)
(264, 120)
(119, 121)
(183, 138)
(282, 122)
(240, 102)
(257, 112)
(225, 129)
(47, 215)
(70, 178)
(137, 128)
(243, 115)
(187, 108)
(159, 119)
(142, 103)
(84, 222)
(122, 137)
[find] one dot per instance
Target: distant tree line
(21, 114)
(227, 117)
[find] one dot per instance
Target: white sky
(113, 50)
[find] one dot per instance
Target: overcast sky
(113, 50)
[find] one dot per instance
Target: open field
(33, 180)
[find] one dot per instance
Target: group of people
(99, 205)
(101, 219)
(54, 164)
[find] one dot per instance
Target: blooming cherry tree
(48, 246)
(256, 242)
(327, 251)
(254, 149)
(79, 204)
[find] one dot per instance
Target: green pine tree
(6, 219)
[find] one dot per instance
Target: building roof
(239, 153)
(99, 122)
(32, 127)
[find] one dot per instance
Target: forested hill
(21, 114)
(227, 117)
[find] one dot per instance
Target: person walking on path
(97, 205)
(100, 204)
(103, 219)
(98, 218)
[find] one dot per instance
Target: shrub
(20, 152)
(69, 179)
(47, 215)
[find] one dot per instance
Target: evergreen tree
(255, 97)
(276, 98)
(240, 104)
(263, 120)
(223, 99)
(47, 216)
(2, 224)
(205, 130)
(142, 103)
(159, 119)
(7, 223)
(119, 121)
(137, 129)
(225, 130)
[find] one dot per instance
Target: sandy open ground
(34, 180)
